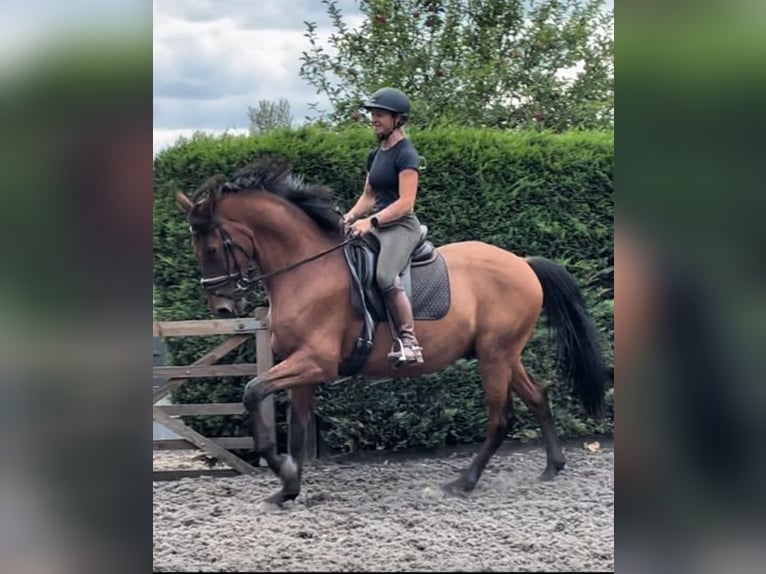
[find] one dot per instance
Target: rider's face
(382, 122)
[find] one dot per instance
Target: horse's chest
(284, 337)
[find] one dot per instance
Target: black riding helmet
(389, 99)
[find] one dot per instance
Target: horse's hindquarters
(494, 297)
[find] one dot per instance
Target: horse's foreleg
(496, 380)
(301, 404)
(297, 372)
(534, 397)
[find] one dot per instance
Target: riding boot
(398, 305)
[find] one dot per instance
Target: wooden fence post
(265, 360)
(239, 331)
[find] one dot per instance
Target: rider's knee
(385, 282)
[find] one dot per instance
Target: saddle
(425, 281)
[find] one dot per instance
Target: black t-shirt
(384, 166)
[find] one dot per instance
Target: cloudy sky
(214, 58)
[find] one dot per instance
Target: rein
(299, 263)
(244, 280)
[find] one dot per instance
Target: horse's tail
(579, 352)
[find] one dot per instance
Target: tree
(499, 63)
(269, 116)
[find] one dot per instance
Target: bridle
(245, 280)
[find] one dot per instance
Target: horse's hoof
(551, 472)
(291, 479)
(271, 504)
(457, 487)
(278, 499)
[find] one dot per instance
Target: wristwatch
(374, 221)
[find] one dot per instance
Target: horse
(267, 219)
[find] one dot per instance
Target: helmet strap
(384, 136)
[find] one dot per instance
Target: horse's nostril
(222, 306)
(224, 312)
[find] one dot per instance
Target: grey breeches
(397, 241)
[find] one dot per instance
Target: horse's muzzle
(223, 307)
(227, 307)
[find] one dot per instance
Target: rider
(386, 209)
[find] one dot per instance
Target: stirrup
(398, 358)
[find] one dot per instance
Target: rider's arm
(363, 204)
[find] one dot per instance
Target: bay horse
(267, 220)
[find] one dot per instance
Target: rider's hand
(348, 219)
(361, 227)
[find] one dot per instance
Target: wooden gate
(239, 331)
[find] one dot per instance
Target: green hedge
(533, 193)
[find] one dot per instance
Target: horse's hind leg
(535, 399)
(496, 380)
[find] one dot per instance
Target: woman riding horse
(263, 220)
(386, 209)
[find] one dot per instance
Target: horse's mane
(272, 174)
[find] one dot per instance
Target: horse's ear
(183, 202)
(207, 208)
